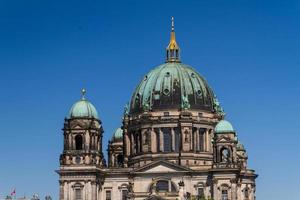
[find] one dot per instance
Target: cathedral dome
(83, 108)
(118, 134)
(172, 85)
(224, 127)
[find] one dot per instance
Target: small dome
(224, 127)
(83, 108)
(118, 134)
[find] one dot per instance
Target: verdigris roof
(83, 109)
(118, 134)
(172, 85)
(224, 127)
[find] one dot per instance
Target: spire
(173, 50)
(83, 92)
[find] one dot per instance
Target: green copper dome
(83, 108)
(224, 127)
(118, 134)
(172, 85)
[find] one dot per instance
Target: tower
(82, 158)
(115, 149)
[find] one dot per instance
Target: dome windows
(78, 142)
(166, 91)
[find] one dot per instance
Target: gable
(162, 167)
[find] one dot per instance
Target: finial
(172, 23)
(173, 51)
(83, 92)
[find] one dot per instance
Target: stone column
(139, 142)
(61, 190)
(194, 140)
(161, 140)
(94, 191)
(191, 139)
(215, 189)
(69, 191)
(233, 189)
(153, 141)
(70, 141)
(197, 140)
(173, 139)
(239, 191)
(182, 139)
(87, 140)
(128, 144)
(132, 143)
(73, 142)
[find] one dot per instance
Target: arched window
(200, 193)
(78, 142)
(165, 186)
(162, 186)
(225, 155)
(224, 194)
(78, 195)
(119, 160)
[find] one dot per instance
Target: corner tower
(82, 159)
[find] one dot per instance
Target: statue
(217, 106)
(185, 103)
(225, 156)
(126, 109)
(48, 198)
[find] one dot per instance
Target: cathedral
(174, 144)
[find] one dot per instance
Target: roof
(118, 134)
(172, 86)
(224, 127)
(83, 108)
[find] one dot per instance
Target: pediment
(223, 139)
(162, 167)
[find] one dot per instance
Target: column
(191, 139)
(161, 140)
(153, 141)
(69, 145)
(233, 189)
(132, 143)
(173, 139)
(194, 140)
(61, 190)
(87, 140)
(94, 191)
(182, 139)
(197, 140)
(207, 139)
(128, 144)
(215, 189)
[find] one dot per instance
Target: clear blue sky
(248, 50)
